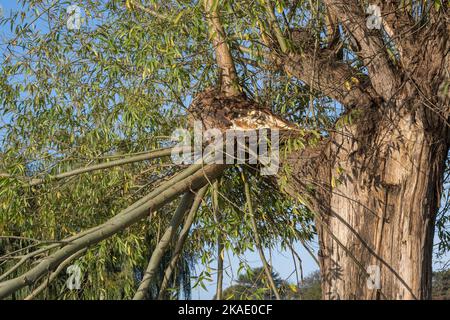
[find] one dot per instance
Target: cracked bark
(375, 184)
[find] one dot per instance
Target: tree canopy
(87, 116)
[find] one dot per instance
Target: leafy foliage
(118, 87)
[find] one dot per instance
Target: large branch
(372, 49)
(180, 242)
(101, 166)
(229, 77)
(320, 68)
(112, 226)
(335, 79)
(162, 246)
(401, 28)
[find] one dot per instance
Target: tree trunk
(381, 180)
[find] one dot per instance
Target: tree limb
(163, 244)
(112, 226)
(101, 166)
(401, 28)
(267, 268)
(229, 78)
(273, 23)
(335, 79)
(54, 275)
(181, 240)
(323, 72)
(372, 49)
(218, 220)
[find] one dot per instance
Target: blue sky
(281, 261)
(6, 6)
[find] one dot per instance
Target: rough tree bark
(375, 183)
(384, 205)
(376, 199)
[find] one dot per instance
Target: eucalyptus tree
(88, 108)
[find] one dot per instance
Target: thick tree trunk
(380, 186)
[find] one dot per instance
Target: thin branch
(54, 275)
(273, 23)
(101, 166)
(220, 248)
(148, 10)
(295, 256)
(266, 266)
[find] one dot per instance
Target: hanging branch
(181, 241)
(266, 266)
(45, 284)
(165, 193)
(174, 180)
(300, 238)
(295, 256)
(101, 166)
(163, 244)
(218, 220)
